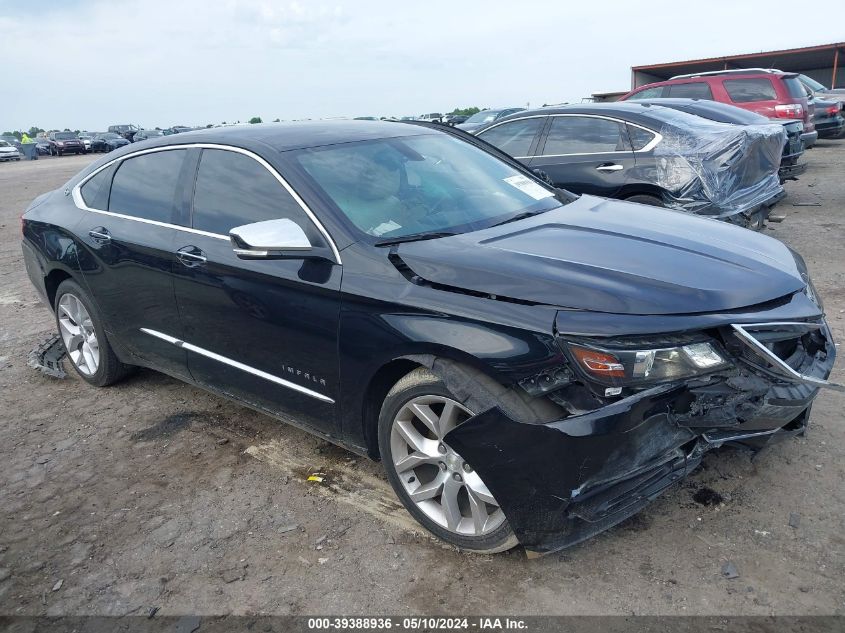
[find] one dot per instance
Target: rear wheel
(440, 490)
(84, 339)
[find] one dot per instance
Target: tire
(757, 221)
(642, 198)
(441, 468)
(88, 350)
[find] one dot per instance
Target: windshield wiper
(519, 216)
(416, 237)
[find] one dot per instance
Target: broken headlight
(631, 367)
(810, 291)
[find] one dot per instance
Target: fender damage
(564, 481)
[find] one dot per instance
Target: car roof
(632, 110)
(718, 75)
(707, 108)
(294, 135)
(653, 117)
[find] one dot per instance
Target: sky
(86, 64)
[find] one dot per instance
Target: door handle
(191, 256)
(610, 167)
(100, 235)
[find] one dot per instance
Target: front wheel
(84, 339)
(643, 198)
(440, 490)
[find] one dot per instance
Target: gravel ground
(153, 493)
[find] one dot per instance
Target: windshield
(812, 83)
(421, 184)
(108, 135)
(65, 136)
(4, 144)
(487, 116)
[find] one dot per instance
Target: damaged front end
(626, 441)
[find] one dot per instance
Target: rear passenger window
(514, 137)
(692, 90)
(92, 191)
(233, 189)
(585, 135)
(146, 186)
(746, 90)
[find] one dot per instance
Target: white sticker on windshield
(529, 187)
(385, 227)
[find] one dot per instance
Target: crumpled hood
(611, 256)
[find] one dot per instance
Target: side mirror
(271, 239)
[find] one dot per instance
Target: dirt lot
(154, 493)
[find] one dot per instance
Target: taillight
(790, 111)
(833, 110)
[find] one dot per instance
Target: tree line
(35, 130)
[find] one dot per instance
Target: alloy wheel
(438, 481)
(78, 334)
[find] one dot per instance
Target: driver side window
(233, 189)
(514, 137)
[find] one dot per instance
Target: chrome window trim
(646, 148)
(80, 202)
(237, 365)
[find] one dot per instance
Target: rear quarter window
(748, 90)
(639, 137)
(794, 87)
(95, 191)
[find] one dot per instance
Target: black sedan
(530, 366)
(107, 141)
(42, 147)
(650, 155)
(829, 118)
(143, 135)
(485, 118)
(793, 147)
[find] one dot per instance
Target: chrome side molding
(233, 363)
(778, 366)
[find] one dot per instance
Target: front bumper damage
(562, 482)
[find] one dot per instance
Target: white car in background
(86, 138)
(8, 151)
